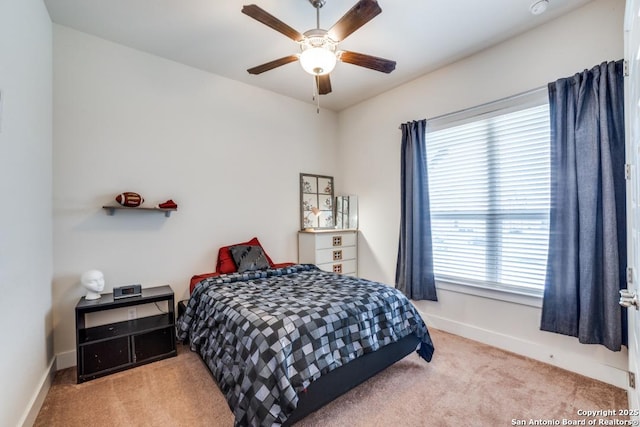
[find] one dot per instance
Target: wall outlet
(132, 314)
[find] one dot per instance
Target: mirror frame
(316, 191)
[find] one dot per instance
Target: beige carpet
(466, 384)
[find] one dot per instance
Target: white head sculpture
(93, 280)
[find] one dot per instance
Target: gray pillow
(248, 258)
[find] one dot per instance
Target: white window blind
(489, 194)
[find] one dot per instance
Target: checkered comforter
(266, 335)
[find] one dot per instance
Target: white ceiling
(213, 35)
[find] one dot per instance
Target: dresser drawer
(332, 240)
(338, 254)
(342, 267)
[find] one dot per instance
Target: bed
(283, 341)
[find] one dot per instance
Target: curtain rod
(508, 98)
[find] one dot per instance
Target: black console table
(105, 349)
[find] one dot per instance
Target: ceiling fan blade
(363, 12)
(269, 20)
(324, 84)
(273, 64)
(368, 61)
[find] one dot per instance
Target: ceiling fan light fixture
(318, 61)
(318, 55)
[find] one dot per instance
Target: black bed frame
(339, 381)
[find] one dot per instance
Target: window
(489, 194)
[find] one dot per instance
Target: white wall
(370, 147)
(229, 154)
(25, 217)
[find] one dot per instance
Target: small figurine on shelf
(169, 204)
(93, 280)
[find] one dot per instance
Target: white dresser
(331, 250)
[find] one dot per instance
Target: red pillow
(226, 264)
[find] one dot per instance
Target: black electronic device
(127, 291)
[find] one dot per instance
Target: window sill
(532, 299)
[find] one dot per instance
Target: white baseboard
(562, 359)
(66, 360)
(33, 408)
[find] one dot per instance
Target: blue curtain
(587, 241)
(414, 269)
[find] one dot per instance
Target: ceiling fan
(319, 48)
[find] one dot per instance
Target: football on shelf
(129, 199)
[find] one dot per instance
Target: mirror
(347, 212)
(316, 202)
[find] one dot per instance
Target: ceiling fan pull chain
(316, 92)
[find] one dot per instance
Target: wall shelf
(111, 210)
